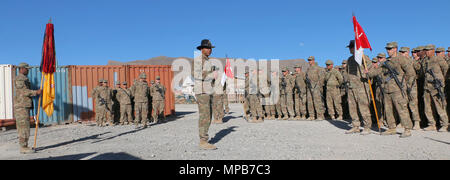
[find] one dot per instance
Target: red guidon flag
(48, 66)
(228, 72)
(361, 41)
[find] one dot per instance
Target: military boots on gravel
(353, 130)
(430, 128)
(26, 150)
(206, 146)
(406, 133)
(443, 129)
(389, 132)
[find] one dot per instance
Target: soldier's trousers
(217, 105)
(300, 104)
(413, 105)
(287, 104)
(158, 109)
(246, 106)
(315, 103)
(204, 102)
(101, 114)
(22, 116)
(358, 103)
(225, 102)
(141, 110)
(125, 113)
(334, 102)
(396, 100)
(278, 107)
(255, 106)
(432, 100)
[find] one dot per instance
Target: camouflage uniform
(103, 104)
(439, 67)
(315, 74)
(124, 98)
(203, 80)
(357, 95)
(269, 109)
(22, 105)
(217, 105)
(300, 94)
(253, 100)
(287, 100)
(333, 79)
(157, 92)
(140, 92)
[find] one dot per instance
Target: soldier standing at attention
(300, 93)
(140, 92)
(253, 99)
(448, 55)
(435, 70)
(217, 104)
(123, 95)
(246, 104)
(413, 100)
(102, 97)
(392, 71)
(333, 79)
(158, 92)
(314, 82)
(204, 76)
(358, 97)
(115, 103)
(22, 105)
(289, 82)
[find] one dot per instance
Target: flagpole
(38, 113)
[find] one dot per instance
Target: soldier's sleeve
(409, 72)
(339, 77)
(94, 93)
(24, 90)
(444, 67)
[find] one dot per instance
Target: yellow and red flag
(48, 66)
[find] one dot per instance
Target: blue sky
(91, 32)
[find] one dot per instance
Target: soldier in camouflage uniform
(287, 101)
(277, 105)
(115, 109)
(448, 55)
(22, 106)
(157, 92)
(358, 94)
(141, 93)
(399, 67)
(333, 80)
(246, 105)
(344, 96)
(300, 93)
(103, 104)
(253, 99)
(123, 96)
(204, 76)
(217, 104)
(413, 100)
(315, 76)
(437, 67)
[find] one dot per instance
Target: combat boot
(310, 118)
(389, 132)
(443, 129)
(297, 118)
(353, 130)
(285, 117)
(253, 120)
(260, 120)
(416, 125)
(206, 146)
(430, 128)
(406, 133)
(339, 118)
(366, 131)
(399, 126)
(26, 150)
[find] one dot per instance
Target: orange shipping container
(85, 78)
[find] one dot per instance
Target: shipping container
(85, 78)
(6, 95)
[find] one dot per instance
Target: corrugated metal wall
(85, 78)
(62, 104)
(6, 94)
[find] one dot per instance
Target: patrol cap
(152, 81)
(100, 80)
(285, 69)
(420, 48)
(448, 50)
(430, 47)
(124, 83)
(143, 76)
(344, 62)
(247, 71)
(329, 62)
(351, 44)
(24, 65)
(391, 45)
(105, 81)
(297, 66)
(414, 50)
(340, 67)
(311, 58)
(374, 60)
(441, 49)
(158, 78)
(381, 55)
(117, 82)
(404, 49)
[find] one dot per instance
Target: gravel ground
(235, 139)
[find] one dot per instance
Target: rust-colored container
(85, 78)
(166, 74)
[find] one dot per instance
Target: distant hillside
(163, 60)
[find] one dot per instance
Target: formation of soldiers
(116, 104)
(406, 85)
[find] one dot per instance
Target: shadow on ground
(96, 136)
(222, 133)
(104, 156)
